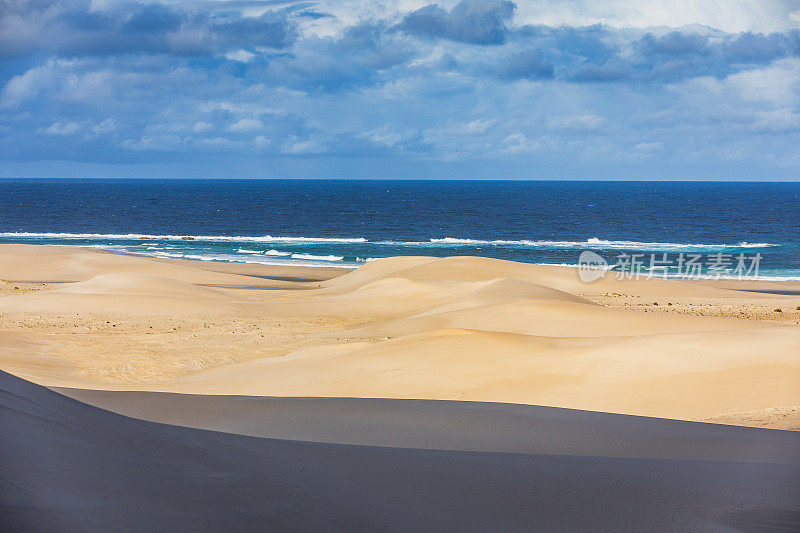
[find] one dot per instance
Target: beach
(411, 393)
(461, 328)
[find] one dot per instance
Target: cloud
(388, 136)
(783, 120)
(578, 123)
(457, 87)
(246, 125)
(529, 64)
(357, 57)
(63, 128)
(242, 56)
(732, 16)
(649, 147)
(517, 143)
(85, 28)
(106, 126)
(202, 127)
(470, 21)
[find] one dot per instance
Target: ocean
(349, 222)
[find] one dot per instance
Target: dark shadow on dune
(68, 466)
(774, 291)
(763, 520)
(451, 425)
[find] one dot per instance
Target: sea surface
(347, 223)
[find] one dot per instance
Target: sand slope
(70, 264)
(448, 425)
(72, 467)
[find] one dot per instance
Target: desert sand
(411, 394)
(460, 328)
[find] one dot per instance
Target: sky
(476, 89)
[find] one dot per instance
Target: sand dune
(460, 328)
(71, 264)
(702, 376)
(138, 284)
(449, 425)
(360, 400)
(68, 466)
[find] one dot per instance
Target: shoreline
(244, 261)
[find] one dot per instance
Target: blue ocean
(349, 222)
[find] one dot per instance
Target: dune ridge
(451, 425)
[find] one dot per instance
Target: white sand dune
(127, 292)
(460, 328)
(71, 264)
(702, 376)
(138, 284)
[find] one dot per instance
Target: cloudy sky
(650, 89)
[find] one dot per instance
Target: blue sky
(639, 89)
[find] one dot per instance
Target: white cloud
(242, 56)
(649, 147)
(389, 135)
(63, 128)
(246, 125)
(777, 121)
(27, 85)
(778, 83)
(149, 143)
(202, 127)
(215, 143)
(478, 126)
(518, 143)
(727, 15)
(576, 123)
(107, 126)
(294, 145)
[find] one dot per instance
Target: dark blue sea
(346, 223)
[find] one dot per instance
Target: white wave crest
(317, 261)
(212, 238)
(593, 242)
(312, 257)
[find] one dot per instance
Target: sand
(461, 328)
(412, 394)
(68, 466)
(452, 425)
